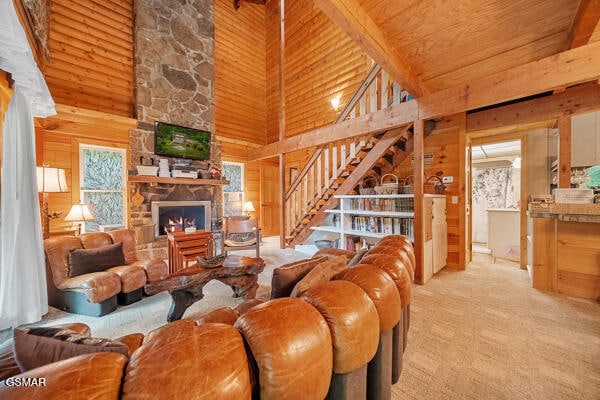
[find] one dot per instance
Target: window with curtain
(102, 184)
(233, 194)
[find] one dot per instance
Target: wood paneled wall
(444, 144)
(91, 55)
(321, 62)
(240, 81)
(60, 148)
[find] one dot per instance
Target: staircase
(337, 168)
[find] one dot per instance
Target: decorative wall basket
(434, 185)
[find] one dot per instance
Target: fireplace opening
(176, 216)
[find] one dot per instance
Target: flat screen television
(181, 142)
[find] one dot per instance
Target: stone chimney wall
(174, 69)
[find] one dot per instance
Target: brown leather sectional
(97, 293)
(335, 341)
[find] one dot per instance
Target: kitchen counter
(566, 252)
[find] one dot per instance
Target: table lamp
(50, 180)
(78, 214)
(248, 208)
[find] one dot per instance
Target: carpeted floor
(479, 334)
(486, 334)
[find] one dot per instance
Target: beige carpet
(479, 334)
(486, 334)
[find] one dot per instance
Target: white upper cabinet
(585, 140)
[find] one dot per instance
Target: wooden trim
(354, 20)
(577, 100)
(523, 200)
(464, 240)
(564, 152)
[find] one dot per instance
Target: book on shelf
(402, 204)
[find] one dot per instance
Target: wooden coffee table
(185, 286)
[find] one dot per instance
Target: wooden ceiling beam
(576, 100)
(585, 23)
(391, 117)
(352, 19)
(565, 69)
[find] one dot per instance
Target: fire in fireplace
(175, 216)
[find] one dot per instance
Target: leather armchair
(97, 293)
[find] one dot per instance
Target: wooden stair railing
(332, 164)
(314, 214)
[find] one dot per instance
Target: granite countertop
(565, 217)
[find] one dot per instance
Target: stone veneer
(174, 68)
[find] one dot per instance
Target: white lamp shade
(248, 207)
(51, 180)
(79, 212)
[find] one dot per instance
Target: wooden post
(419, 130)
(282, 223)
(564, 152)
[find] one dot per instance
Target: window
(102, 182)
(233, 194)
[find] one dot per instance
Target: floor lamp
(50, 180)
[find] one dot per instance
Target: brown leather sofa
(97, 293)
(334, 341)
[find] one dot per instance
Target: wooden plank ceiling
(445, 44)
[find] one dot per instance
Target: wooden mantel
(175, 181)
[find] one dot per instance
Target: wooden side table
(185, 247)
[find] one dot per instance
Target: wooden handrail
(359, 93)
(303, 173)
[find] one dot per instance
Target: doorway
(496, 198)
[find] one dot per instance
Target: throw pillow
(334, 252)
(338, 264)
(357, 257)
(284, 278)
(85, 261)
(315, 277)
(34, 347)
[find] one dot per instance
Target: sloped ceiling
(436, 44)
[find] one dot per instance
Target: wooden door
(270, 200)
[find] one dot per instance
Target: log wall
(91, 55)
(321, 62)
(240, 81)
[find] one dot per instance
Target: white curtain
(23, 297)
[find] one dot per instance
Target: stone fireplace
(174, 68)
(176, 216)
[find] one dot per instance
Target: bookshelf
(370, 216)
